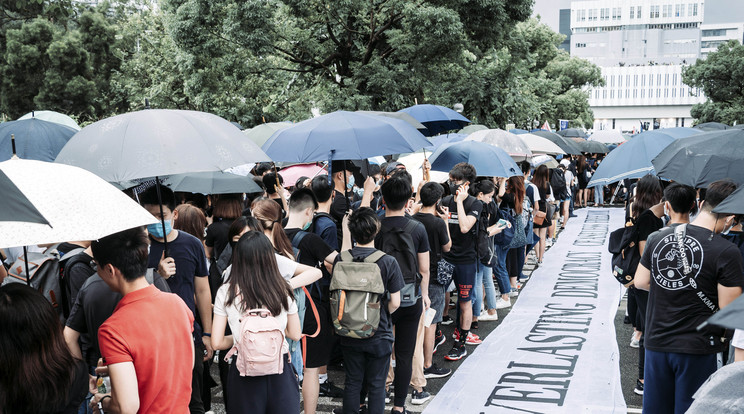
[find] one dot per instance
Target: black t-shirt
(392, 279)
(313, 251)
(339, 207)
(77, 273)
(463, 244)
(217, 236)
(678, 304)
(647, 223)
(78, 391)
(93, 305)
(436, 230)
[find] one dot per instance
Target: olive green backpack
(356, 295)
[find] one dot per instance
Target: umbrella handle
(162, 219)
(25, 262)
(12, 142)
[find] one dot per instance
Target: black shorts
(319, 348)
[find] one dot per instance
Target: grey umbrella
(398, 115)
(566, 144)
(712, 126)
(212, 182)
(572, 133)
(733, 204)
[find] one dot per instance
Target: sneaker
(548, 242)
(638, 388)
(503, 304)
(439, 339)
(436, 372)
(418, 398)
(626, 321)
(456, 353)
(447, 320)
(400, 412)
(328, 389)
(388, 396)
(340, 410)
(513, 293)
(473, 339)
(474, 324)
(635, 343)
(489, 317)
(456, 334)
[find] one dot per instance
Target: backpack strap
(297, 239)
(680, 232)
(410, 226)
(346, 256)
(374, 257)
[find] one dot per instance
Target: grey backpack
(356, 295)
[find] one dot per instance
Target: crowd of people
(267, 286)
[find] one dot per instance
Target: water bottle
(103, 383)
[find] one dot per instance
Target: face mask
(350, 183)
(728, 228)
(666, 211)
(156, 230)
(307, 226)
(359, 191)
(452, 187)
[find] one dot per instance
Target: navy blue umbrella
(34, 139)
(488, 160)
(436, 119)
(343, 135)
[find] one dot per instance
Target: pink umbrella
(293, 173)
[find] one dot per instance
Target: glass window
(632, 12)
(638, 12)
(654, 12)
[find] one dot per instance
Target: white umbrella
(51, 116)
(413, 163)
(77, 204)
(540, 145)
(505, 140)
(608, 136)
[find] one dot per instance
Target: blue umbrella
(34, 139)
(519, 131)
(632, 159)
(440, 140)
(437, 119)
(488, 160)
(343, 135)
(681, 132)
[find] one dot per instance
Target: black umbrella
(572, 132)
(591, 147)
(733, 204)
(16, 206)
(730, 317)
(699, 160)
(712, 126)
(566, 144)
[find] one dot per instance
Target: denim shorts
(436, 295)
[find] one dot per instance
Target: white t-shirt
(287, 268)
(233, 314)
(738, 340)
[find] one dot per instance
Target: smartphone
(501, 223)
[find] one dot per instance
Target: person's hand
(307, 183)
(94, 401)
(167, 266)
(369, 186)
(279, 189)
(92, 384)
(427, 302)
(498, 228)
(208, 345)
(462, 193)
(445, 214)
(345, 221)
(101, 369)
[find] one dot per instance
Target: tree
(721, 79)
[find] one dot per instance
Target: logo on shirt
(667, 267)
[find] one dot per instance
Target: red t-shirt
(152, 329)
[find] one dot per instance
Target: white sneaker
(503, 304)
(485, 316)
(514, 293)
(548, 242)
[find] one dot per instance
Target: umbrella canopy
(158, 142)
(398, 115)
(77, 204)
(712, 126)
(472, 128)
(549, 161)
(540, 145)
(350, 135)
(16, 206)
(507, 141)
(607, 136)
(34, 139)
(733, 204)
(413, 163)
(566, 144)
(730, 317)
(51, 116)
(488, 160)
(436, 118)
(519, 131)
(632, 159)
(237, 125)
(212, 182)
(440, 140)
(681, 132)
(591, 147)
(261, 133)
(704, 158)
(572, 133)
(293, 173)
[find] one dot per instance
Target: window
(616, 13)
(580, 44)
(632, 12)
(612, 94)
(604, 14)
(635, 93)
(692, 9)
(643, 93)
(592, 15)
(679, 10)
(667, 10)
(666, 80)
(674, 92)
(674, 79)
(638, 13)
(654, 12)
(715, 32)
(711, 44)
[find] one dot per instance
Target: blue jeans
(483, 279)
(672, 379)
(499, 269)
(599, 195)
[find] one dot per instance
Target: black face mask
(453, 187)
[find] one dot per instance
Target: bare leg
(310, 390)
(429, 336)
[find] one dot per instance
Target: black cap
(343, 165)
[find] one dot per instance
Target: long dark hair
(254, 280)
(516, 186)
(581, 164)
(540, 179)
(648, 194)
(37, 367)
(269, 215)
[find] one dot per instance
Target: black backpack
(484, 242)
(623, 245)
(558, 183)
(398, 242)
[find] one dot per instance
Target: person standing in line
(254, 282)
(690, 272)
(545, 192)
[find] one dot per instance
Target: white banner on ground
(556, 350)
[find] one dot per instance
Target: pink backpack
(260, 347)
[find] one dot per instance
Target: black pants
(270, 394)
(632, 307)
(366, 363)
(406, 322)
(196, 406)
(642, 302)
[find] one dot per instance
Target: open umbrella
(343, 135)
(488, 160)
(398, 115)
(608, 136)
(212, 182)
(712, 126)
(733, 204)
(540, 145)
(704, 158)
(51, 116)
(16, 206)
(77, 204)
(549, 161)
(261, 133)
(572, 133)
(591, 147)
(472, 128)
(439, 140)
(730, 317)
(519, 131)
(293, 173)
(34, 139)
(566, 144)
(436, 118)
(414, 162)
(507, 141)
(680, 132)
